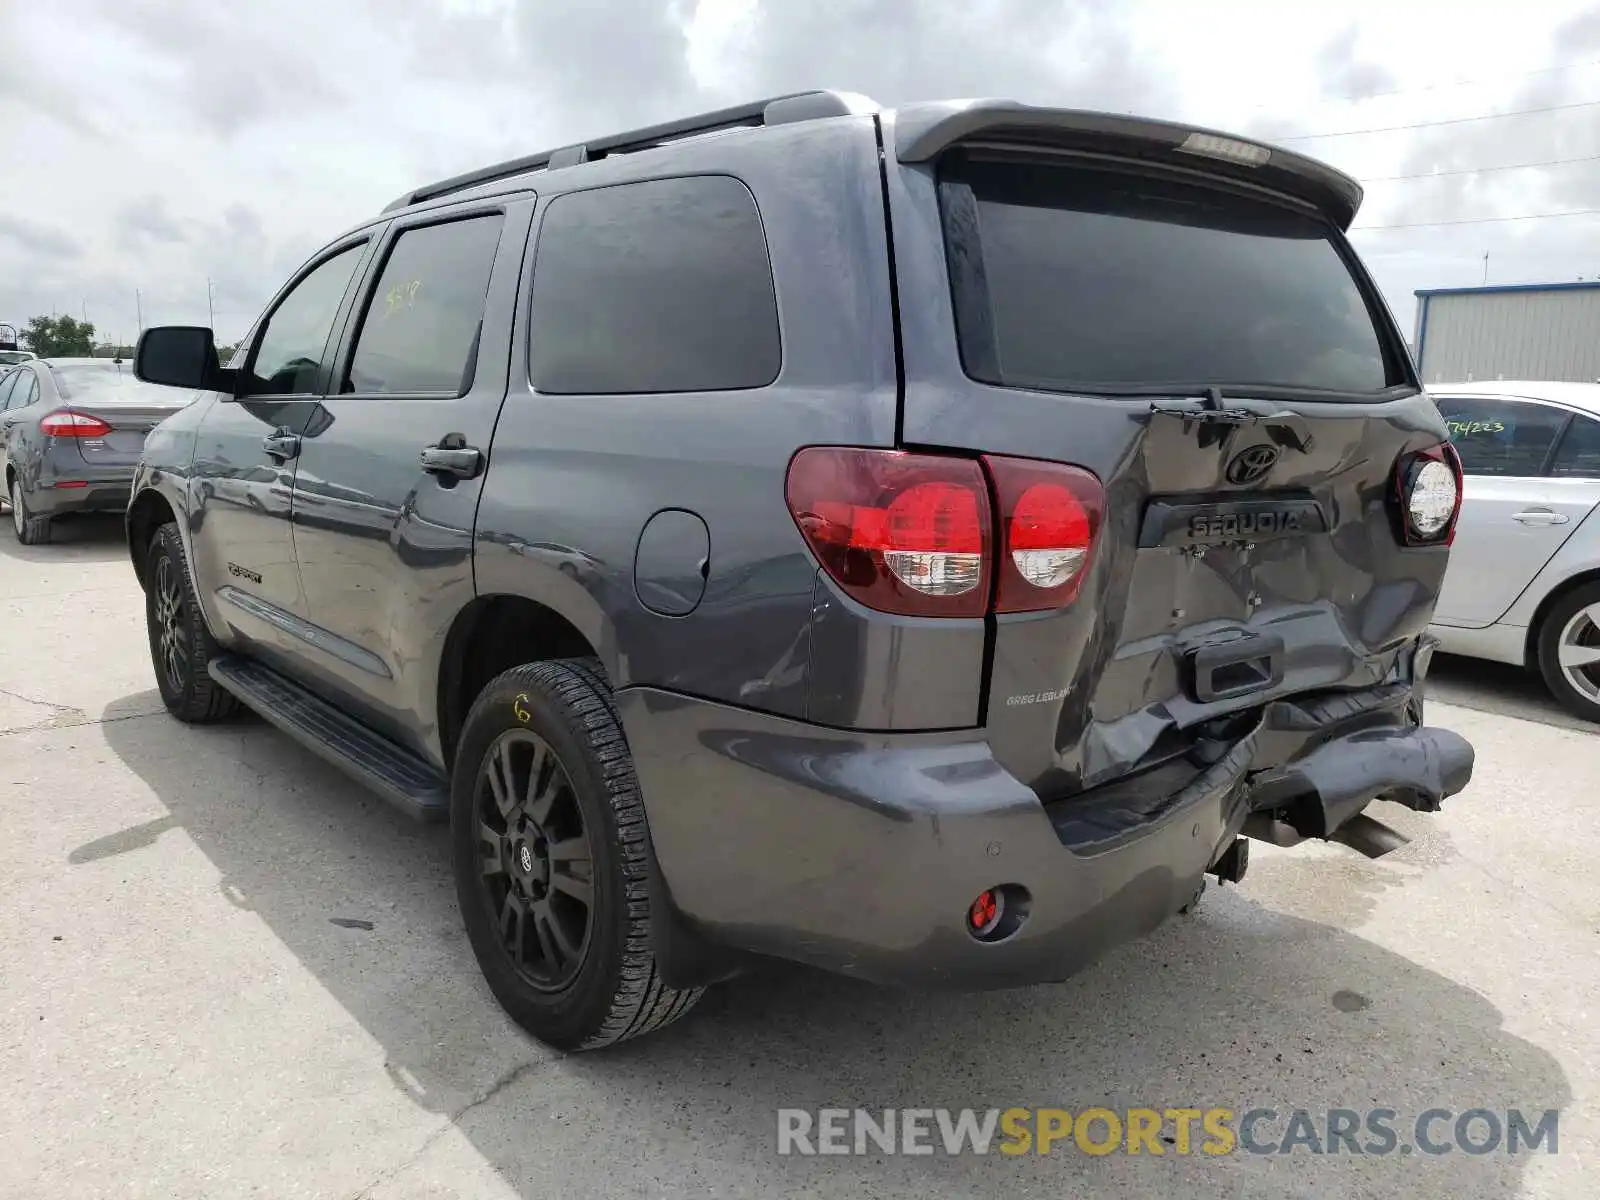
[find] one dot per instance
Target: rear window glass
(660, 286)
(1071, 277)
(107, 376)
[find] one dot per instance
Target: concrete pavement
(227, 971)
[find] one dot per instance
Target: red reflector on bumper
(71, 484)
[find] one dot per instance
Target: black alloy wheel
(181, 647)
(170, 618)
(537, 868)
(554, 865)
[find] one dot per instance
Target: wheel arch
(148, 512)
(1530, 650)
(492, 634)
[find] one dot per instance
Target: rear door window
(1075, 278)
(659, 286)
(1578, 456)
(1495, 436)
(7, 384)
(420, 332)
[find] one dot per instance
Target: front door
(1516, 512)
(246, 448)
(386, 492)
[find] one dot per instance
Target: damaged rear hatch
(1180, 314)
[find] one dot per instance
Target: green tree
(59, 337)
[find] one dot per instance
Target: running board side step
(397, 775)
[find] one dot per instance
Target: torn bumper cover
(1417, 767)
(1309, 767)
(862, 853)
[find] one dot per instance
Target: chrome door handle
(1541, 516)
(452, 461)
(281, 446)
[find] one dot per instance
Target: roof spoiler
(776, 110)
(924, 131)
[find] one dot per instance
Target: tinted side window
(27, 390)
(1501, 437)
(420, 332)
(1579, 452)
(296, 333)
(7, 383)
(662, 286)
(1077, 278)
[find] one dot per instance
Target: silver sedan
(71, 430)
(1523, 585)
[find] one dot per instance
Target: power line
(1577, 212)
(1521, 112)
(1549, 162)
(1437, 87)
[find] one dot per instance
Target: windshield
(7, 357)
(108, 378)
(1096, 279)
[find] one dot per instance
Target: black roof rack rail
(777, 110)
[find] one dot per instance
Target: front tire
(1569, 651)
(30, 530)
(553, 862)
(181, 647)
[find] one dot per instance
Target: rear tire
(181, 647)
(1569, 651)
(555, 873)
(30, 530)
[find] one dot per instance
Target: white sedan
(1523, 584)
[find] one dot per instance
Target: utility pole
(138, 305)
(210, 304)
(1486, 268)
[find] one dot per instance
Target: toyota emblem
(525, 858)
(1252, 464)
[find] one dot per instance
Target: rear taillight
(904, 533)
(64, 422)
(913, 533)
(1428, 496)
(1051, 514)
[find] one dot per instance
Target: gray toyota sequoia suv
(922, 544)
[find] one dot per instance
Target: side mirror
(183, 356)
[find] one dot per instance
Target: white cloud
(151, 144)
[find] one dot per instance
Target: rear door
(1216, 356)
(1515, 512)
(387, 488)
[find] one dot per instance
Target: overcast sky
(151, 144)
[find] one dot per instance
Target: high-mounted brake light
(900, 532)
(1232, 149)
(64, 422)
(1051, 515)
(1428, 487)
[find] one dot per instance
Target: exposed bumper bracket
(1320, 793)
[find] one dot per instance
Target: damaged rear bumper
(863, 853)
